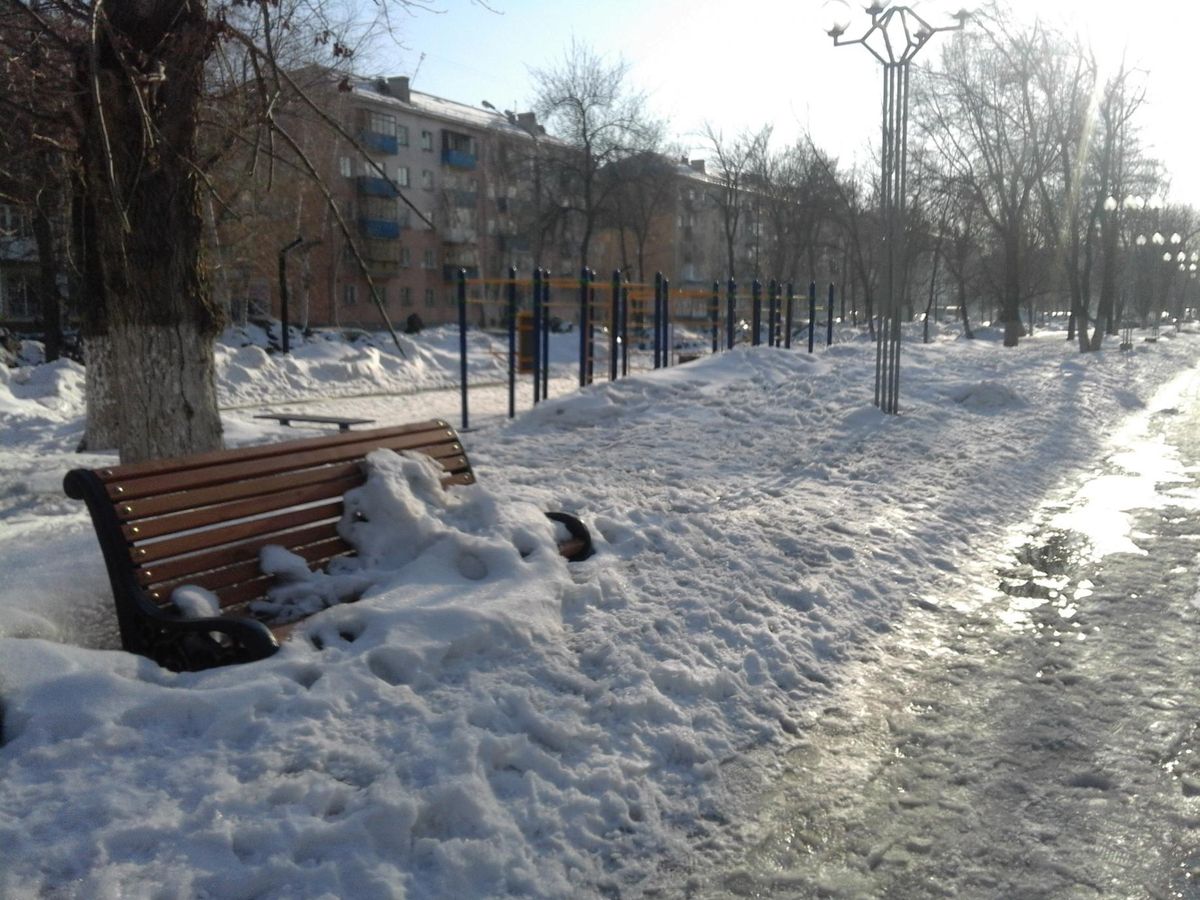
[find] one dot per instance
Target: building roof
(380, 90)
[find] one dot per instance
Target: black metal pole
(666, 333)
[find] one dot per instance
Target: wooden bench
(203, 519)
(341, 422)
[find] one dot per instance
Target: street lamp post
(896, 35)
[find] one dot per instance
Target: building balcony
(380, 229)
(381, 252)
(372, 186)
(376, 142)
(458, 159)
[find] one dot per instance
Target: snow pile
(328, 364)
(406, 528)
(35, 397)
(489, 720)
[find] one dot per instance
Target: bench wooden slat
(126, 489)
(259, 451)
(192, 519)
(449, 455)
(316, 555)
(241, 594)
(152, 551)
(234, 490)
(185, 566)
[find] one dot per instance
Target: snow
(487, 719)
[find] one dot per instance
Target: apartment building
(427, 186)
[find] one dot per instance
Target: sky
(766, 61)
(491, 721)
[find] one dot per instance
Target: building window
(346, 165)
(382, 123)
(349, 294)
(427, 140)
(429, 261)
(14, 222)
(402, 135)
(430, 298)
(402, 176)
(405, 297)
(381, 291)
(405, 257)
(18, 300)
(427, 179)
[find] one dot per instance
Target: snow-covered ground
(484, 724)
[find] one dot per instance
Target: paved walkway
(1041, 742)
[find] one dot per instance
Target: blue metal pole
(658, 319)
(624, 330)
(583, 316)
(829, 318)
(512, 341)
(812, 313)
(462, 342)
(787, 319)
(755, 312)
(731, 313)
(537, 336)
(666, 304)
(545, 333)
(591, 326)
(714, 313)
(771, 301)
(614, 325)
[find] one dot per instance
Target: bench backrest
(203, 519)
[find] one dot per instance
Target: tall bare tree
(734, 160)
(985, 113)
(587, 103)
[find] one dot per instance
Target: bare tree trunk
(1011, 311)
(49, 301)
(145, 278)
(937, 255)
(102, 431)
(962, 309)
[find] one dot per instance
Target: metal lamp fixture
(895, 35)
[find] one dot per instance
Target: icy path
(1036, 741)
